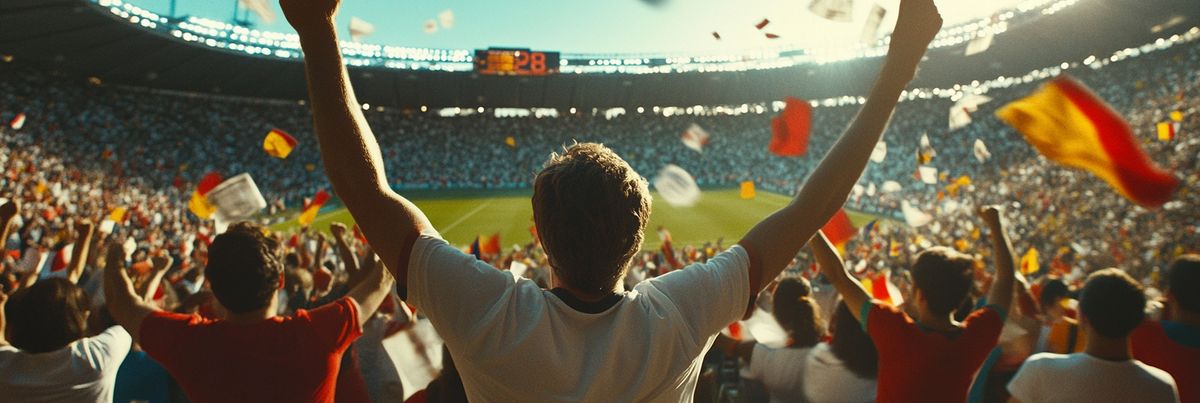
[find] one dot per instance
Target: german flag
(1068, 124)
(278, 144)
(199, 205)
(312, 207)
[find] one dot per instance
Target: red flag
(492, 245)
(789, 130)
(762, 23)
(18, 122)
(839, 229)
(309, 213)
(772, 36)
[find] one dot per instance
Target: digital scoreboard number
(515, 62)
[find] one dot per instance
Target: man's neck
(1107, 348)
(256, 315)
(590, 296)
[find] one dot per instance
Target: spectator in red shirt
(934, 358)
(251, 354)
(1174, 345)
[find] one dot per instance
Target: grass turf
(461, 217)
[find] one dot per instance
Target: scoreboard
(515, 62)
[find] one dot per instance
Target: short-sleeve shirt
(781, 371)
(1173, 347)
(1079, 377)
(922, 365)
(522, 343)
(281, 359)
(83, 371)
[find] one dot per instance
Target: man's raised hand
(309, 14)
(917, 23)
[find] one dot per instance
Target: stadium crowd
(98, 246)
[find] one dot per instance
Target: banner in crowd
(237, 198)
(1070, 125)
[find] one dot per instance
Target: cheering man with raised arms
(515, 342)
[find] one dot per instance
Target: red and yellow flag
(199, 205)
(839, 229)
(278, 144)
(1166, 130)
(492, 245)
(1068, 124)
(310, 210)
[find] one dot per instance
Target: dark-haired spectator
(49, 359)
(1173, 345)
(252, 354)
(782, 370)
(845, 369)
(1111, 305)
(1060, 333)
(933, 358)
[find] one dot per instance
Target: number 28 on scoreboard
(516, 62)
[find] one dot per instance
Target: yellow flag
(1029, 262)
(510, 141)
(117, 215)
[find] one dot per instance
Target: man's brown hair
(945, 277)
(590, 209)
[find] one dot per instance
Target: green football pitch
(461, 216)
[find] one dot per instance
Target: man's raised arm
(127, 307)
(348, 148)
(774, 242)
(1001, 293)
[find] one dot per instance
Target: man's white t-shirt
(83, 371)
(1079, 377)
(512, 341)
(781, 370)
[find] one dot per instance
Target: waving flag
(492, 245)
(260, 8)
(199, 205)
(789, 130)
(1029, 262)
(839, 229)
(981, 152)
(360, 28)
(880, 152)
(1068, 124)
(313, 207)
(1166, 130)
(278, 144)
(18, 122)
(695, 137)
(913, 216)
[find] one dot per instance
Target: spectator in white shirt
(49, 359)
(1111, 306)
(843, 370)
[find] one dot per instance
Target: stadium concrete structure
(97, 38)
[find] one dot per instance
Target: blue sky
(596, 26)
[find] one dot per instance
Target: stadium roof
(84, 39)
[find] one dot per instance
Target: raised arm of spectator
(774, 242)
(8, 211)
(352, 158)
(83, 243)
(160, 265)
(376, 284)
(126, 306)
(319, 256)
(345, 253)
(1001, 293)
(830, 264)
